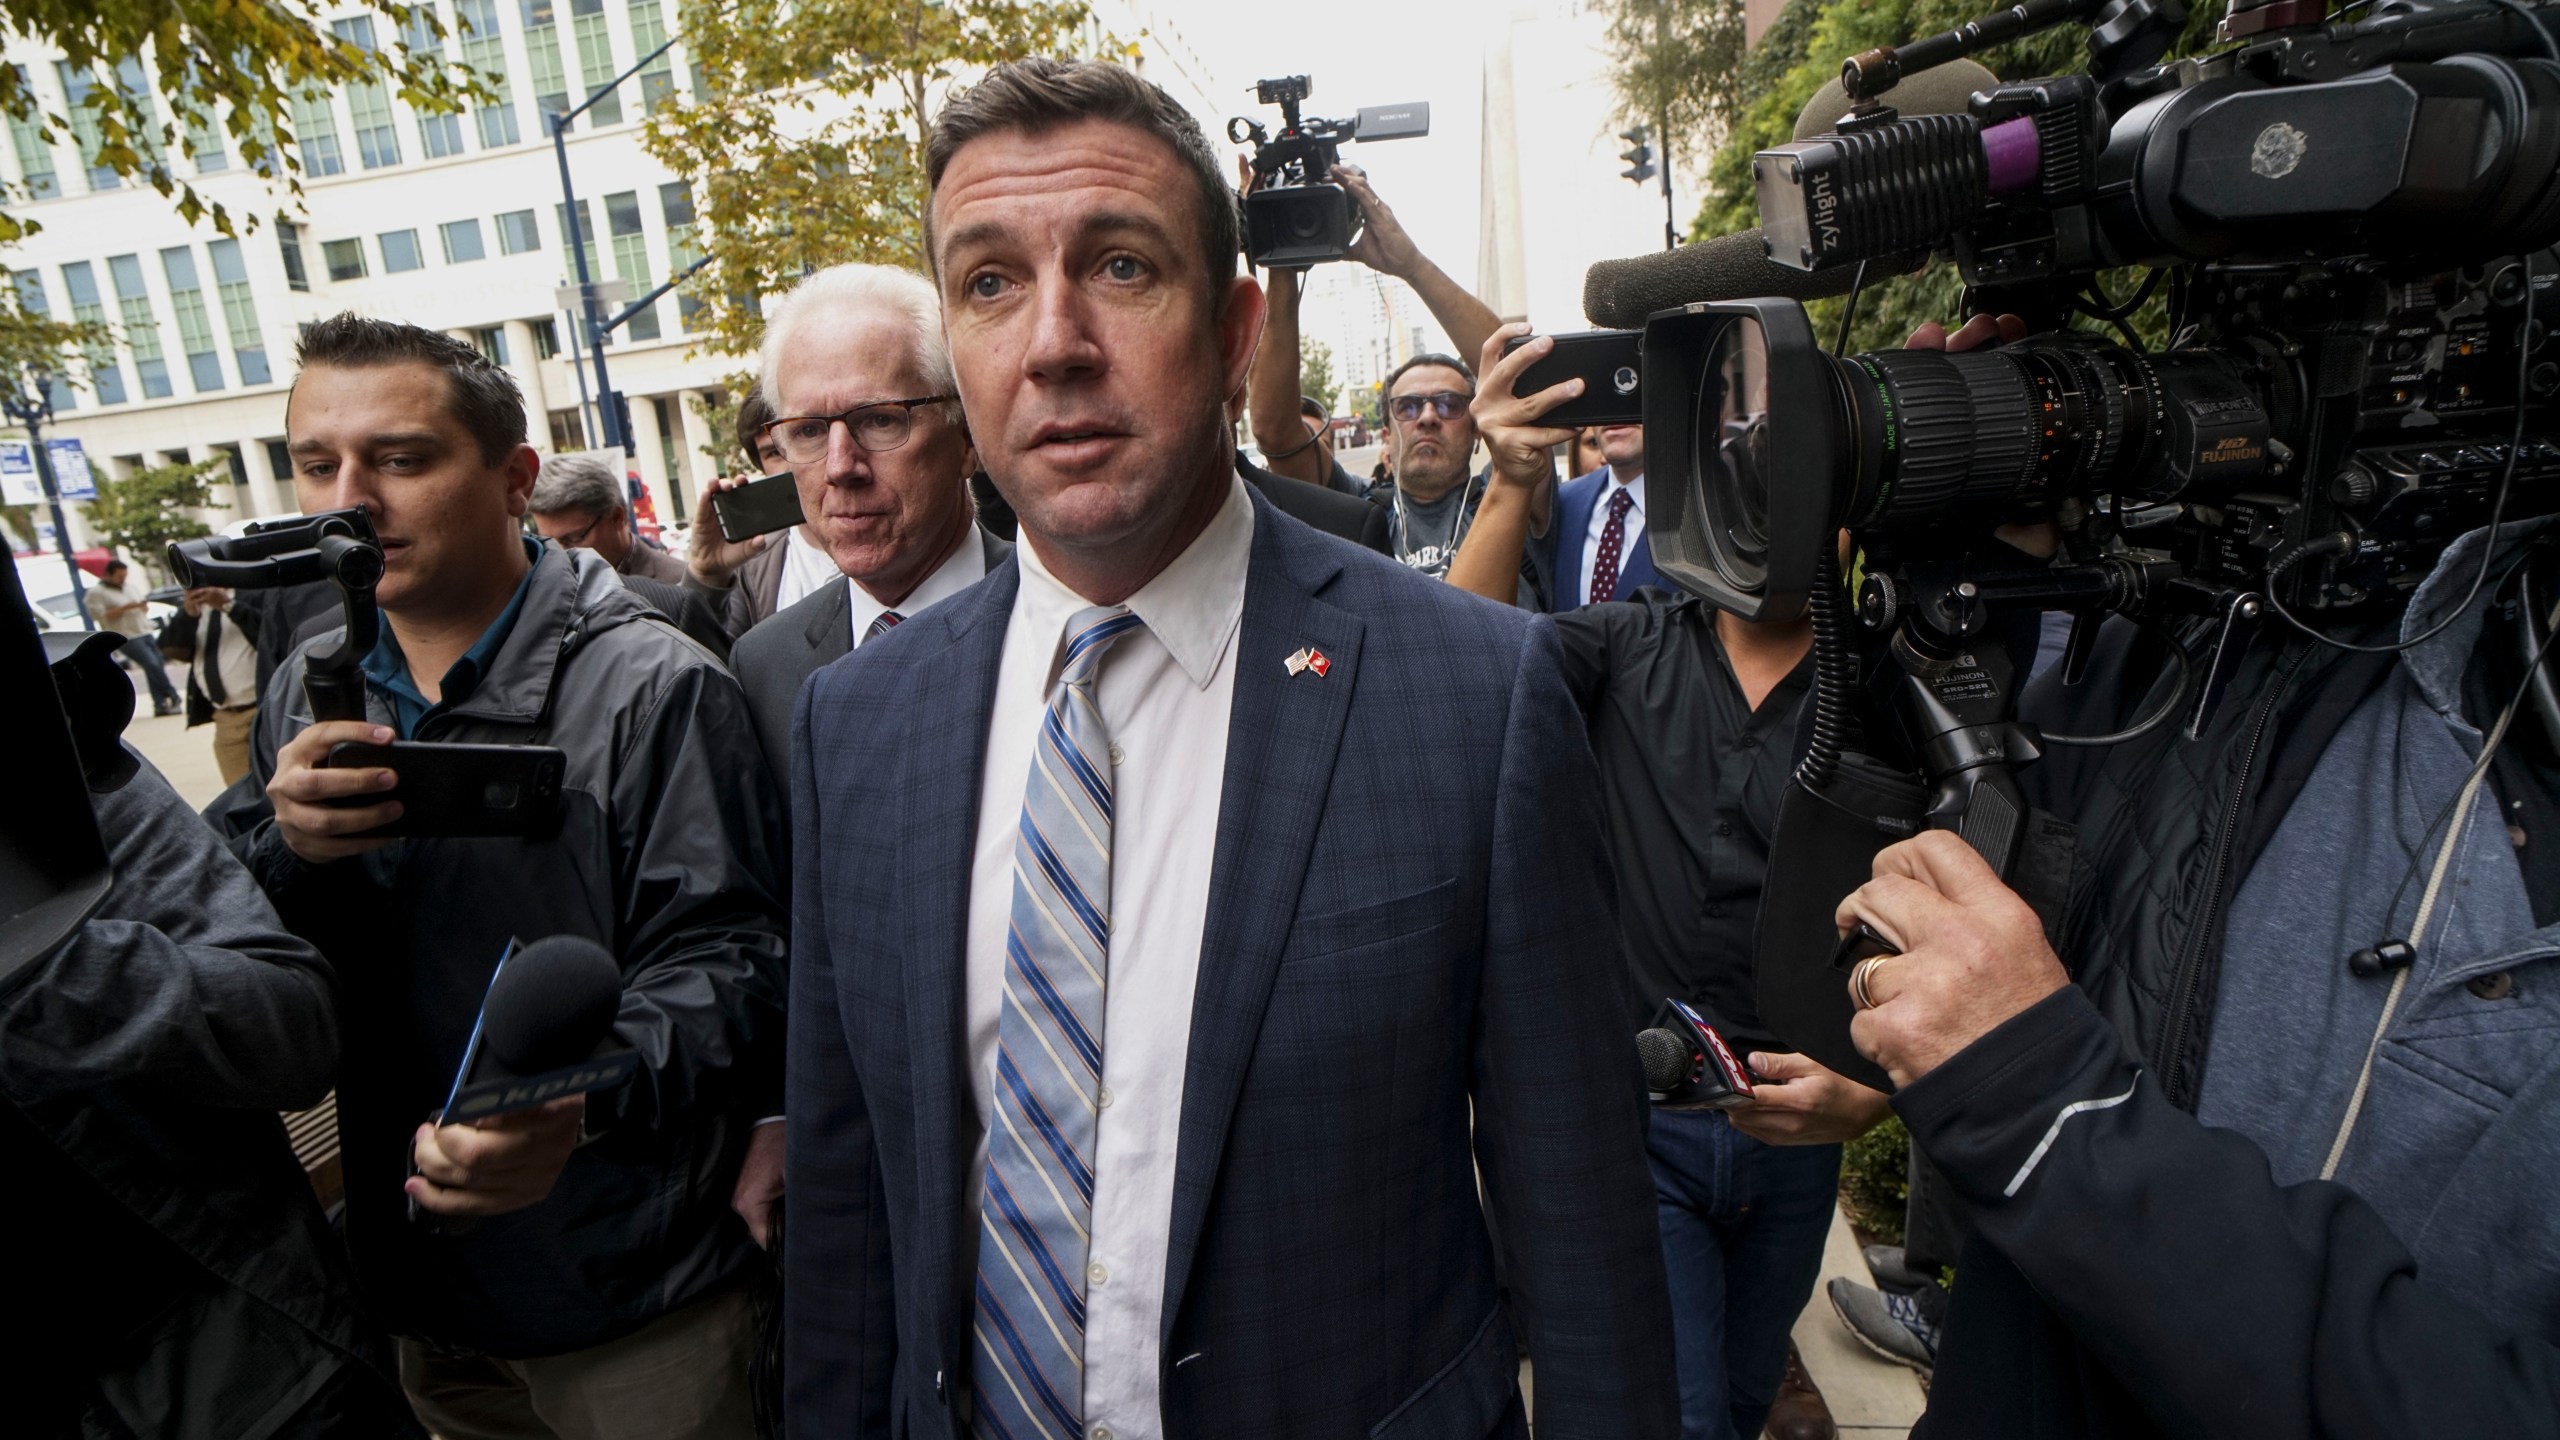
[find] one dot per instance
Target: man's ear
(521, 465)
(1240, 329)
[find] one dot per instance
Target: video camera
(1295, 216)
(2353, 223)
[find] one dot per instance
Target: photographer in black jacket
(2243, 1169)
(598, 1287)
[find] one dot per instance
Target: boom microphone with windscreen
(1621, 293)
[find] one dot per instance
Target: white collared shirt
(806, 569)
(959, 570)
(1165, 692)
(1600, 522)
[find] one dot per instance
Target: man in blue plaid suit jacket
(1407, 974)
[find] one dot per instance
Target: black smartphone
(463, 791)
(1611, 364)
(759, 507)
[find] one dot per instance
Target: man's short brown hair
(1041, 94)
(483, 396)
(754, 413)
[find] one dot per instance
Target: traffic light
(1638, 154)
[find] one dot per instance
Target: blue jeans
(1742, 1231)
(144, 652)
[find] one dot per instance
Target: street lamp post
(31, 408)
(604, 414)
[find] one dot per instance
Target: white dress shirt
(958, 571)
(1164, 692)
(1600, 522)
(806, 569)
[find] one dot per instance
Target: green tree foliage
(227, 66)
(1803, 48)
(1660, 51)
(145, 511)
(1315, 372)
(805, 141)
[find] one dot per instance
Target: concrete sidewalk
(1870, 1398)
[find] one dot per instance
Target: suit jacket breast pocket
(1394, 918)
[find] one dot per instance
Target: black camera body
(2354, 222)
(1296, 216)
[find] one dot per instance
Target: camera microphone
(1619, 294)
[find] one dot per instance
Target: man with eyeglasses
(578, 504)
(1430, 495)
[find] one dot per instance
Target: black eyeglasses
(574, 538)
(877, 425)
(1447, 404)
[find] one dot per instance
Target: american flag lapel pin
(1308, 658)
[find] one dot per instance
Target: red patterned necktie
(887, 622)
(1613, 538)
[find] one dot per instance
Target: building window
(76, 85)
(586, 242)
(315, 133)
(195, 324)
(546, 338)
(35, 157)
(31, 299)
(239, 311)
(648, 32)
(377, 143)
(567, 433)
(400, 252)
(141, 328)
(485, 51)
(345, 259)
(461, 241)
(438, 135)
(289, 243)
(675, 202)
(105, 377)
(517, 233)
(631, 259)
(595, 58)
(280, 461)
(542, 52)
(492, 340)
(239, 473)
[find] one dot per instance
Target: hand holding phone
(461, 791)
(759, 507)
(1610, 364)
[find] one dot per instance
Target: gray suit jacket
(1409, 975)
(773, 659)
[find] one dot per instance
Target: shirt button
(1096, 1276)
(2496, 985)
(1103, 1100)
(1749, 742)
(1116, 758)
(1724, 827)
(1101, 1432)
(1715, 912)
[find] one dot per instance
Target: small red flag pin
(1308, 658)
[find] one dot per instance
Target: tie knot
(887, 621)
(1621, 502)
(1090, 633)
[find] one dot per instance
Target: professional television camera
(2352, 221)
(1296, 216)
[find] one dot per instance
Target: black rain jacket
(670, 856)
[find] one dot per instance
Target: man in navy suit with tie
(1149, 1040)
(1597, 545)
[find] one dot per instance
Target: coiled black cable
(1835, 675)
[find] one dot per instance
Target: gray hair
(838, 291)
(576, 484)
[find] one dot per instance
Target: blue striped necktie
(1036, 1216)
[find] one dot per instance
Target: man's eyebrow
(1106, 222)
(371, 442)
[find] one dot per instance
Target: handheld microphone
(543, 1031)
(1687, 1065)
(1619, 294)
